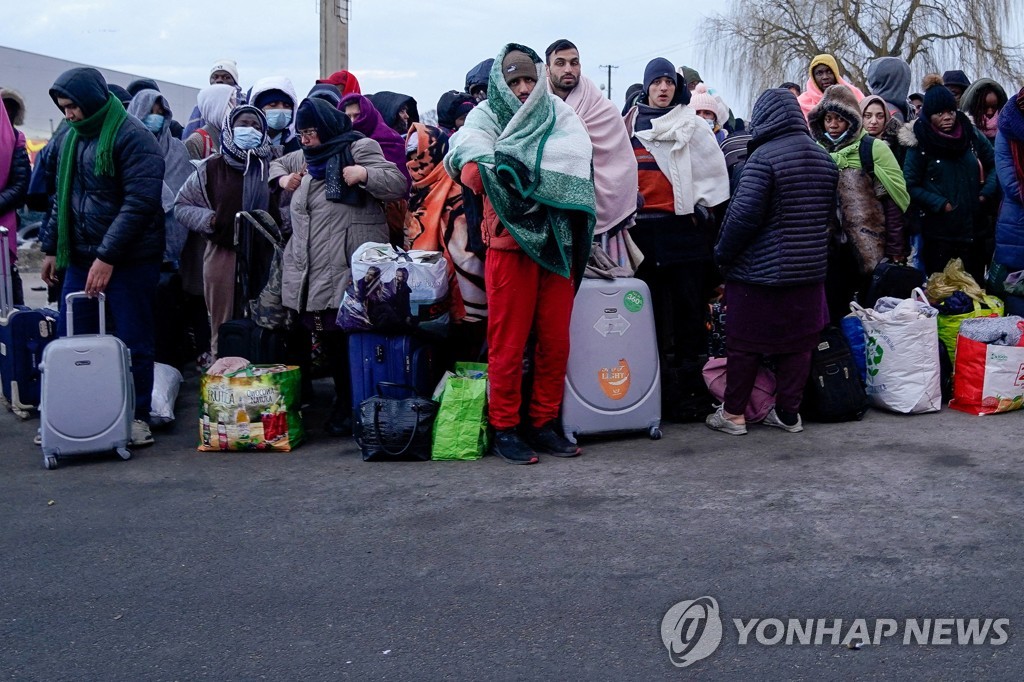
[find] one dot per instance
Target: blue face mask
(247, 137)
(278, 119)
(155, 122)
(834, 140)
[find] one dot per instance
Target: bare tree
(761, 43)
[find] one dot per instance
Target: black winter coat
(119, 218)
(12, 196)
(776, 230)
(934, 181)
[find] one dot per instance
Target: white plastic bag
(396, 291)
(902, 355)
(166, 382)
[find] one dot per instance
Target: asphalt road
(314, 565)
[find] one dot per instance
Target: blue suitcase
(24, 333)
(396, 359)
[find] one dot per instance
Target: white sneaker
(773, 420)
(718, 422)
(141, 435)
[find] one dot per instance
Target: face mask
(155, 122)
(834, 140)
(247, 137)
(278, 119)
(711, 124)
(990, 124)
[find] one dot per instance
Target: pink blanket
(10, 139)
(615, 178)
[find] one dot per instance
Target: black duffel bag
(395, 428)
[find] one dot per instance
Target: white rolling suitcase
(88, 396)
(613, 380)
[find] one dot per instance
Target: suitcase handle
(392, 384)
(69, 302)
(7, 279)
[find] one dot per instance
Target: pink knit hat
(702, 100)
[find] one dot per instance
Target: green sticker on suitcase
(634, 301)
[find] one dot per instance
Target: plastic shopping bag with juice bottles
(256, 408)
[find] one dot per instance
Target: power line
(657, 52)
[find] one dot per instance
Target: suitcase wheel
(656, 433)
(124, 453)
(49, 462)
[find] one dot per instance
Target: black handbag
(395, 428)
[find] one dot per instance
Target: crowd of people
(516, 177)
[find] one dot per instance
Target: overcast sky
(418, 48)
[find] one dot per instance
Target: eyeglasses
(309, 132)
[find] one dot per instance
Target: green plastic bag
(460, 429)
(949, 325)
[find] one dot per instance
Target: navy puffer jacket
(1010, 228)
(118, 218)
(776, 230)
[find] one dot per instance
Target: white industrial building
(32, 75)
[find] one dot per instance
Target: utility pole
(334, 16)
(609, 67)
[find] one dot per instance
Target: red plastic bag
(987, 378)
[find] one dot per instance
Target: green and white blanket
(536, 162)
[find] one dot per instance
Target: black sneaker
(511, 448)
(550, 441)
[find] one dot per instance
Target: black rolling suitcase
(245, 339)
(241, 336)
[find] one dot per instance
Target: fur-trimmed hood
(15, 96)
(906, 135)
(840, 100)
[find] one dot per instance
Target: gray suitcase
(613, 382)
(88, 396)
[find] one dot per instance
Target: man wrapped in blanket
(529, 155)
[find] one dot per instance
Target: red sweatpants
(521, 296)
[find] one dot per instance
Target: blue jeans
(131, 301)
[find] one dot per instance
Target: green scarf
(105, 123)
(535, 161)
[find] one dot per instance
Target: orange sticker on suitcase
(615, 381)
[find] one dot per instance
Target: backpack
(834, 392)
(867, 157)
(207, 142)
